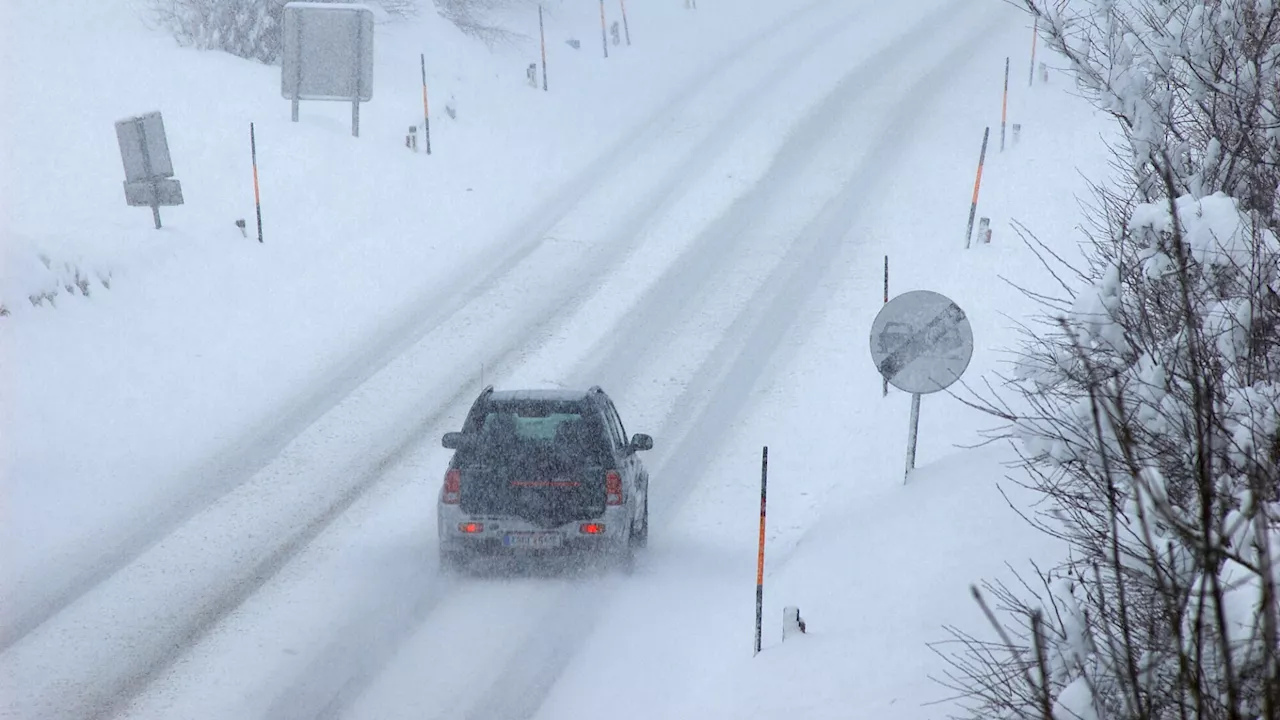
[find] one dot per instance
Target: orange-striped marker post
(1035, 31)
(973, 209)
(1004, 103)
(604, 33)
(257, 199)
(764, 486)
(625, 28)
(542, 33)
(426, 109)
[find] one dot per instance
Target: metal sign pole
(297, 80)
(359, 70)
(150, 173)
(912, 432)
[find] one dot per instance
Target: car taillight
(471, 527)
(612, 488)
(452, 487)
(591, 528)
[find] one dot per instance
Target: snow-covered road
(714, 241)
(679, 271)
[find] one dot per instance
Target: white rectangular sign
(328, 52)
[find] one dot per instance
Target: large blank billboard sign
(328, 52)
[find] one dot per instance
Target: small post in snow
(542, 33)
(764, 485)
(792, 623)
(253, 156)
(1004, 104)
(426, 109)
(604, 31)
(625, 28)
(973, 208)
(1035, 31)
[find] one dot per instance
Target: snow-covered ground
(220, 473)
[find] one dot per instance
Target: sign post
(921, 342)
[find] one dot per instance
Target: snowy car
(538, 472)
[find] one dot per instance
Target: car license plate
(532, 540)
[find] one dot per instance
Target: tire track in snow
(753, 342)
(318, 694)
(117, 685)
(256, 449)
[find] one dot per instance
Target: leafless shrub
(1152, 420)
(249, 29)
(474, 18)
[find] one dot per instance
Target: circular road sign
(921, 342)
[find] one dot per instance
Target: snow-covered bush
(1152, 426)
(475, 18)
(247, 28)
(250, 29)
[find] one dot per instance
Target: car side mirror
(454, 440)
(640, 441)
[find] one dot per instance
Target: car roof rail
(484, 394)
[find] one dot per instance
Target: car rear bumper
(491, 535)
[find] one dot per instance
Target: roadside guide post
(764, 486)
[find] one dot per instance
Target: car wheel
(640, 535)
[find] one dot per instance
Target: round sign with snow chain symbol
(921, 342)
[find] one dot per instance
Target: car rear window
(527, 425)
(518, 427)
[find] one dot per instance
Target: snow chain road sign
(148, 171)
(921, 342)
